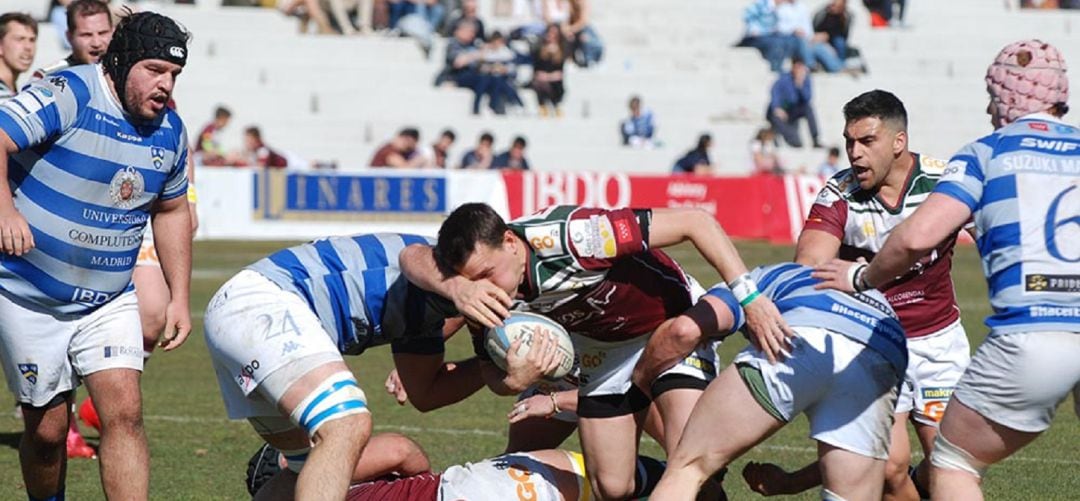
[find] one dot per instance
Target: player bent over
(848, 355)
(278, 329)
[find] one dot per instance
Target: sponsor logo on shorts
(247, 375)
(700, 364)
(123, 351)
(937, 393)
(935, 410)
(29, 372)
(525, 488)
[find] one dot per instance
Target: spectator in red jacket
(259, 153)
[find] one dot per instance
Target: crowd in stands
(405, 151)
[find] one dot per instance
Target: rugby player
(1020, 184)
(90, 156)
(854, 213)
(277, 331)
(601, 275)
(848, 356)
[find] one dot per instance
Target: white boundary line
(490, 433)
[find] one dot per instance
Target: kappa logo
(176, 52)
(59, 82)
(290, 347)
(29, 372)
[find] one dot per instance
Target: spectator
(18, 43)
(499, 62)
(586, 47)
(435, 155)
(793, 18)
(258, 153)
(833, 22)
(431, 11)
(696, 161)
(481, 156)
(548, 60)
(89, 30)
(763, 151)
(514, 158)
(208, 148)
(467, 14)
(831, 165)
(463, 58)
(881, 12)
(639, 128)
(760, 21)
(400, 152)
(789, 101)
(343, 14)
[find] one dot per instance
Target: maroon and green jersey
(592, 271)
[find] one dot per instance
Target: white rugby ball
(527, 326)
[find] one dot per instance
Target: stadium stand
(339, 98)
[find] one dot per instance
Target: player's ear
(508, 239)
(900, 143)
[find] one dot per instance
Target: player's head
(18, 41)
(875, 134)
(476, 243)
(89, 29)
(146, 54)
(1026, 77)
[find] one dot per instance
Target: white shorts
(847, 391)
(44, 356)
(255, 329)
(703, 365)
(935, 364)
(499, 478)
(1018, 380)
(606, 368)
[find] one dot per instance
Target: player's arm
(15, 235)
(673, 226)
(819, 241)
(171, 220)
(431, 383)
(480, 301)
(816, 247)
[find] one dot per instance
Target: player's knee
(685, 330)
(46, 437)
(407, 454)
(896, 473)
(123, 420)
(610, 487)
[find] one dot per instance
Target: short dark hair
(450, 134)
(17, 17)
(86, 8)
(254, 131)
(703, 141)
(834, 152)
(469, 225)
(222, 112)
(879, 104)
(520, 141)
(410, 132)
(487, 137)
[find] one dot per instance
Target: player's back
(864, 317)
(85, 179)
(355, 286)
(1022, 184)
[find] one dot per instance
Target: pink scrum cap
(1027, 77)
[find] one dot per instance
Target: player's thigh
(536, 434)
(675, 407)
(899, 441)
(34, 353)
(850, 476)
(610, 447)
(110, 338)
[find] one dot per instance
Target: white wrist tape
(743, 287)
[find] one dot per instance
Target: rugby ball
(526, 326)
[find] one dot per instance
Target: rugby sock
(59, 496)
(924, 493)
(646, 475)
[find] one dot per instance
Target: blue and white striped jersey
(863, 317)
(85, 178)
(355, 286)
(1022, 184)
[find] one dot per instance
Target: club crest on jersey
(157, 156)
(126, 187)
(29, 372)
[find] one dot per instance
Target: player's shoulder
(932, 166)
(841, 187)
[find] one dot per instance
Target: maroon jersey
(423, 487)
(923, 298)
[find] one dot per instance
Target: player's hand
(837, 274)
(177, 326)
(15, 236)
(540, 361)
(394, 387)
(481, 301)
(766, 479)
(770, 333)
(539, 405)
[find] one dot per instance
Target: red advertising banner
(759, 207)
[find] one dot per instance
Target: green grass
(198, 454)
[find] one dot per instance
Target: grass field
(198, 454)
